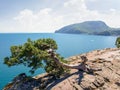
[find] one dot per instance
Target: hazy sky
(51, 15)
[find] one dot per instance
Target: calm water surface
(68, 45)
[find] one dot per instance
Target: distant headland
(90, 28)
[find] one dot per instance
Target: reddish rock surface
(106, 78)
(104, 73)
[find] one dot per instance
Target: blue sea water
(68, 45)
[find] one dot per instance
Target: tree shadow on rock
(54, 83)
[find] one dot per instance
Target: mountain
(90, 27)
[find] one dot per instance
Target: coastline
(105, 58)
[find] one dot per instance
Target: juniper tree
(40, 53)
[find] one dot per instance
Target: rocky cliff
(103, 74)
(105, 77)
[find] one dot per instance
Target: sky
(46, 16)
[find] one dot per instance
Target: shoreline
(103, 59)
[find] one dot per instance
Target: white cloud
(78, 11)
(80, 4)
(112, 18)
(43, 21)
(49, 20)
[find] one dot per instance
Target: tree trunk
(81, 66)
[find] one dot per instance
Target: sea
(68, 45)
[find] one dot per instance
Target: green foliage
(117, 43)
(90, 27)
(55, 69)
(33, 53)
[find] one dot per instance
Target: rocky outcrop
(103, 74)
(23, 82)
